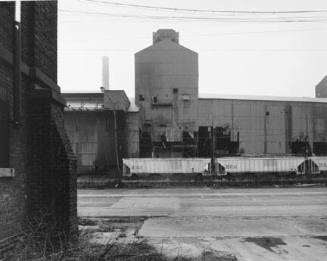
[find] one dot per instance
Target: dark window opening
(4, 134)
(188, 137)
(141, 97)
(145, 145)
(300, 147)
(204, 142)
(175, 90)
(189, 142)
(320, 148)
(223, 142)
(154, 99)
(163, 140)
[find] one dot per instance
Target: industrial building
(170, 118)
(102, 128)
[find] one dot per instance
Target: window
(175, 90)
(141, 97)
(154, 99)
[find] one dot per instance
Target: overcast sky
(238, 57)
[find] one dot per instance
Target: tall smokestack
(105, 72)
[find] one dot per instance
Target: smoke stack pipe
(105, 72)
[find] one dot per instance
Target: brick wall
(39, 36)
(52, 186)
(12, 190)
(38, 149)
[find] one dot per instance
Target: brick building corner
(37, 165)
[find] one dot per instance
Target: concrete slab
(188, 222)
(232, 227)
(204, 202)
(294, 249)
(152, 207)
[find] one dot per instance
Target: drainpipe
(17, 66)
(212, 150)
(265, 145)
(116, 140)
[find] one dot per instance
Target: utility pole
(212, 148)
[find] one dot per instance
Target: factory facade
(170, 118)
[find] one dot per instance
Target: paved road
(228, 220)
(203, 202)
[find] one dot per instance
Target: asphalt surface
(242, 222)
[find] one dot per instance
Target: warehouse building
(170, 118)
(265, 125)
(102, 129)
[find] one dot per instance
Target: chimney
(105, 72)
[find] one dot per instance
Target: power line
(205, 10)
(201, 50)
(202, 18)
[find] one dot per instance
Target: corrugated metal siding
(266, 127)
(92, 138)
(166, 166)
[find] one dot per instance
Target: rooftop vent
(162, 34)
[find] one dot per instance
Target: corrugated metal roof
(83, 101)
(91, 102)
(260, 98)
(80, 93)
(80, 106)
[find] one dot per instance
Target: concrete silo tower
(166, 90)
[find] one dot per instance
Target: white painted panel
(166, 166)
(256, 164)
(321, 162)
